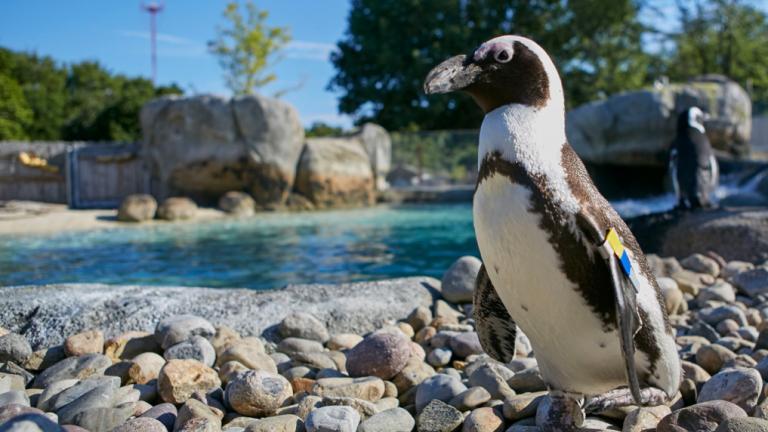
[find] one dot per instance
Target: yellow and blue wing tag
(614, 246)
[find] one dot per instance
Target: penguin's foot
(650, 396)
(561, 411)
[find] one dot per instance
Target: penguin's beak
(456, 73)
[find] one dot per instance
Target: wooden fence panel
(101, 176)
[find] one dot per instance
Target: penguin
(600, 336)
(693, 168)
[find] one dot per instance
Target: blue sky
(116, 33)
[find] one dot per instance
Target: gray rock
(721, 291)
(180, 328)
(237, 203)
(635, 128)
(712, 316)
(294, 345)
(743, 425)
(12, 410)
(470, 398)
(367, 388)
(257, 393)
(712, 357)
(752, 282)
(522, 406)
(704, 416)
(141, 424)
(333, 419)
(734, 234)
(303, 325)
(701, 264)
(459, 280)
(644, 418)
(30, 423)
(102, 419)
(466, 344)
(14, 348)
(10, 382)
(740, 386)
(70, 394)
(248, 143)
(196, 348)
(73, 367)
(68, 309)
(335, 172)
(419, 318)
(18, 397)
(137, 208)
(378, 146)
(493, 377)
(392, 420)
(438, 387)
(484, 419)
(438, 416)
(165, 413)
(414, 372)
(439, 357)
(381, 354)
(177, 208)
(280, 423)
(529, 380)
(99, 396)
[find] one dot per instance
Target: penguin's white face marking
(501, 51)
(696, 119)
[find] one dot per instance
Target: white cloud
(170, 45)
(161, 37)
(308, 50)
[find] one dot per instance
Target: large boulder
(635, 128)
(335, 172)
(203, 146)
(734, 234)
(378, 145)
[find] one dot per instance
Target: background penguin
(693, 168)
(540, 225)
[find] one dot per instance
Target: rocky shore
(395, 355)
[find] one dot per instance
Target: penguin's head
(692, 118)
(504, 70)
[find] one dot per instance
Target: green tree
(390, 46)
(247, 47)
(15, 114)
(728, 37)
(322, 129)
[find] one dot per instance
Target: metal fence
(80, 174)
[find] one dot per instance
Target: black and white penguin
(693, 168)
(541, 226)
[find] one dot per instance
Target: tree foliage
(83, 101)
(390, 46)
(246, 47)
(728, 37)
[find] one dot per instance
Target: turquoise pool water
(263, 252)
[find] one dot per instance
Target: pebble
(438, 416)
(179, 379)
(419, 318)
(752, 282)
(145, 367)
(493, 377)
(303, 325)
(743, 425)
(721, 291)
(439, 357)
(368, 388)
(97, 385)
(391, 420)
(18, 397)
(88, 342)
(129, 345)
(484, 419)
(257, 393)
(645, 418)
(458, 282)
(249, 356)
(343, 341)
(10, 382)
(195, 348)
(15, 348)
(293, 345)
(179, 328)
(673, 297)
(438, 387)
(280, 423)
(466, 344)
(740, 386)
(705, 416)
(701, 264)
(381, 354)
(44, 358)
(522, 406)
(73, 367)
(712, 357)
(194, 410)
(141, 424)
(31, 422)
(333, 419)
(165, 413)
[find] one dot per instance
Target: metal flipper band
(612, 245)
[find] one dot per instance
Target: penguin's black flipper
(626, 301)
(495, 327)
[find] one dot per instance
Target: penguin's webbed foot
(650, 396)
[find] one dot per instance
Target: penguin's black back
(693, 164)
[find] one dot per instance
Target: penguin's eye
(502, 56)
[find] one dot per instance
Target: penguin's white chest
(572, 348)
